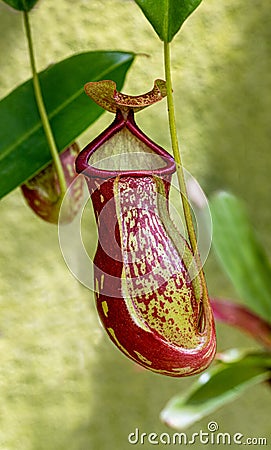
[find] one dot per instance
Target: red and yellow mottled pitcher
(148, 302)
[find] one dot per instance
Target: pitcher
(148, 302)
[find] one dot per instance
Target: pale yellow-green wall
(62, 383)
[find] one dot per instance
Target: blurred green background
(63, 385)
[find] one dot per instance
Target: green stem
(179, 168)
(42, 111)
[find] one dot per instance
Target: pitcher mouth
(86, 164)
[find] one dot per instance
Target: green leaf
(21, 5)
(23, 148)
(223, 383)
(167, 16)
(241, 254)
